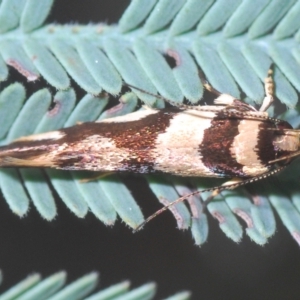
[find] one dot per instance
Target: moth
(229, 139)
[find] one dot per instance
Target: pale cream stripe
(51, 135)
(244, 148)
(177, 150)
(97, 154)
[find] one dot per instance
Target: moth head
(287, 141)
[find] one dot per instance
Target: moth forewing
(229, 140)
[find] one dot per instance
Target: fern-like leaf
(233, 47)
(54, 287)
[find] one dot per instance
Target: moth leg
(98, 176)
(222, 99)
(225, 99)
(208, 87)
(146, 107)
(269, 90)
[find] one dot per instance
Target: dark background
(220, 269)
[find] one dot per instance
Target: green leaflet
(146, 291)
(235, 61)
(129, 68)
(162, 14)
(14, 55)
(54, 287)
(100, 67)
(10, 13)
(71, 61)
(44, 288)
(217, 15)
(166, 193)
(13, 192)
(21, 287)
(34, 14)
(244, 16)
(186, 74)
(46, 64)
(111, 292)
(189, 15)
(77, 289)
(215, 69)
(199, 224)
(269, 17)
(39, 102)
(135, 13)
(11, 100)
(180, 296)
(157, 70)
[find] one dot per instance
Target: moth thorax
(287, 141)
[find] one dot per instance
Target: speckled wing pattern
(181, 142)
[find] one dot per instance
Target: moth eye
(284, 125)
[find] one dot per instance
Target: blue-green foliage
(233, 42)
(54, 287)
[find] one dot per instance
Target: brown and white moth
(229, 139)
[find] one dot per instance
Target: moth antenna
(184, 106)
(202, 108)
(179, 105)
(277, 129)
(292, 130)
(252, 116)
(158, 212)
(219, 189)
(285, 157)
(288, 132)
